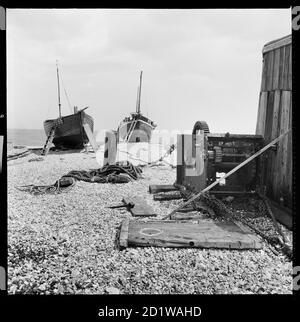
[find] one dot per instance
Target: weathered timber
(140, 207)
(195, 215)
(274, 117)
(234, 137)
(90, 136)
(155, 188)
(164, 197)
(278, 43)
(200, 234)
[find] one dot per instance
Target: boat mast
(58, 87)
(137, 98)
(138, 110)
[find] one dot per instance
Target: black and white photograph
(149, 151)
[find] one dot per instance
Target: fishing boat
(136, 127)
(69, 131)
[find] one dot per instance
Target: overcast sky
(197, 64)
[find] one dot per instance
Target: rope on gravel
(18, 155)
(121, 172)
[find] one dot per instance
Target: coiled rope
(121, 172)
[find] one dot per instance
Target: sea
(26, 137)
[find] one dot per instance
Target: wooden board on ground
(164, 197)
(140, 208)
(155, 188)
(195, 215)
(200, 234)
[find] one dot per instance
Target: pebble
(53, 239)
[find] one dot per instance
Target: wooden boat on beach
(69, 130)
(137, 127)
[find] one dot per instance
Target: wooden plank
(261, 115)
(123, 239)
(155, 188)
(195, 215)
(269, 118)
(274, 44)
(202, 234)
(285, 85)
(281, 67)
(140, 208)
(264, 75)
(290, 73)
(270, 62)
(282, 147)
(164, 197)
(235, 137)
(272, 161)
(267, 175)
(90, 136)
(275, 123)
(276, 69)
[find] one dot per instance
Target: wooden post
(90, 136)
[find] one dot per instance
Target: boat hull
(70, 133)
(136, 131)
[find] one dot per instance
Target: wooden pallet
(199, 233)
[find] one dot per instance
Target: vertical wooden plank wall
(274, 117)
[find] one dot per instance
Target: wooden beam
(167, 197)
(277, 43)
(155, 188)
(243, 137)
(90, 136)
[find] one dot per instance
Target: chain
(224, 212)
(168, 152)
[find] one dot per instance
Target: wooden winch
(203, 157)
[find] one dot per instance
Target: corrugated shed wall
(275, 117)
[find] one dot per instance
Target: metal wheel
(200, 125)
